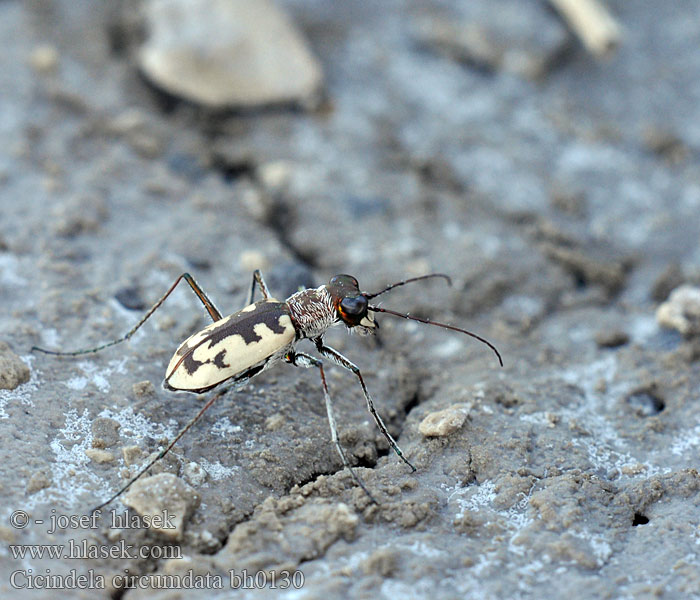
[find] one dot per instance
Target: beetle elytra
(235, 348)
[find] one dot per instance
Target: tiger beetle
(239, 347)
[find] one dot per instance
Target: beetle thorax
(312, 311)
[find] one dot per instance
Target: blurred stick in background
(592, 23)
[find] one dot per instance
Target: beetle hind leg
(163, 451)
(208, 305)
(299, 359)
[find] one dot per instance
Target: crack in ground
(398, 422)
(281, 220)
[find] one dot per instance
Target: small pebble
(224, 53)
(131, 455)
(99, 456)
(13, 370)
(166, 501)
(37, 482)
(444, 422)
(44, 59)
(681, 311)
(143, 389)
(130, 298)
(252, 259)
(194, 474)
(611, 338)
(105, 432)
(669, 279)
(274, 422)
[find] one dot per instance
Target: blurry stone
(78, 214)
(134, 126)
(37, 482)
(165, 501)
(194, 474)
(7, 534)
(647, 401)
(591, 262)
(681, 311)
(251, 260)
(227, 53)
(444, 422)
(665, 144)
(98, 455)
(131, 455)
(383, 561)
(289, 532)
(105, 432)
(611, 338)
(13, 371)
(567, 200)
(127, 122)
(130, 298)
(274, 422)
(520, 38)
(276, 175)
(671, 277)
(44, 59)
(143, 389)
(256, 203)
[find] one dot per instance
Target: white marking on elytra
(235, 354)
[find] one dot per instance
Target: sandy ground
(560, 193)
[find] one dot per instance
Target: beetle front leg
(299, 359)
(340, 360)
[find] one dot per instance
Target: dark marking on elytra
(240, 323)
(219, 360)
(240, 379)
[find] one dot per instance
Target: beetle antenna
(443, 325)
(411, 280)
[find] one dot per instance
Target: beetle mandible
(238, 347)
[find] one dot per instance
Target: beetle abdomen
(231, 347)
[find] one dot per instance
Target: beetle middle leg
(340, 360)
(260, 282)
(208, 304)
(299, 359)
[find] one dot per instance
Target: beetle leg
(260, 282)
(340, 360)
(164, 451)
(299, 359)
(208, 304)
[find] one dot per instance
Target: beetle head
(351, 305)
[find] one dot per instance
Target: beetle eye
(344, 280)
(354, 305)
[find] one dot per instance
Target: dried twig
(592, 23)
